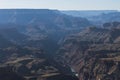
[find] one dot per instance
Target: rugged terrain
(97, 17)
(30, 64)
(28, 41)
(49, 45)
(39, 27)
(94, 54)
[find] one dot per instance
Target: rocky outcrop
(31, 64)
(93, 53)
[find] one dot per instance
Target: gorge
(43, 44)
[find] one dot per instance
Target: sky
(62, 4)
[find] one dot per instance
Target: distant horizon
(61, 4)
(59, 9)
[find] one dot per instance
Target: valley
(43, 44)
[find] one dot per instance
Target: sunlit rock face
(93, 53)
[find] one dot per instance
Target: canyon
(43, 44)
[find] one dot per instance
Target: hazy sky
(63, 4)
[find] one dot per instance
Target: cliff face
(23, 33)
(94, 53)
(39, 28)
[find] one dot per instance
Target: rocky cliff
(94, 53)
